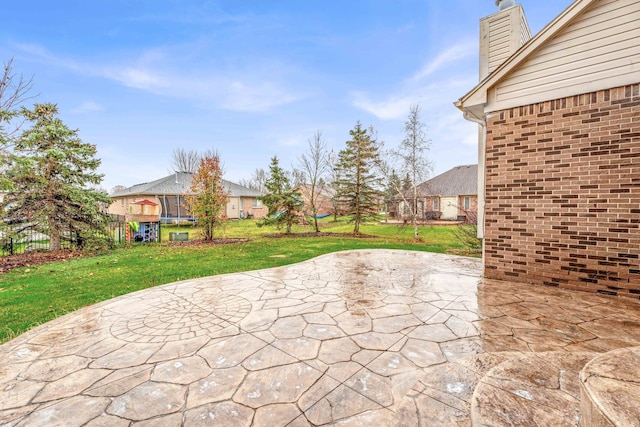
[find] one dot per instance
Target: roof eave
(478, 95)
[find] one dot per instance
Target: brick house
(163, 200)
(559, 147)
(324, 199)
(452, 195)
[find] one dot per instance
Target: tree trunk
(54, 237)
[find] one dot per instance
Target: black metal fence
(21, 238)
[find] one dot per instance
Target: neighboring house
(163, 200)
(559, 181)
(324, 199)
(452, 195)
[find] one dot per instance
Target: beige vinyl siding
(525, 32)
(499, 41)
(601, 49)
(501, 35)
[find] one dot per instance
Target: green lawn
(34, 295)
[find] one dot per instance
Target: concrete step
(443, 393)
(534, 389)
(610, 389)
(498, 389)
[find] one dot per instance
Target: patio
(375, 337)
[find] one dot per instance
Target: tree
(406, 182)
(358, 185)
(412, 158)
(52, 172)
(207, 195)
(259, 178)
(117, 188)
(391, 189)
(282, 200)
(13, 92)
(334, 179)
(315, 164)
(185, 161)
(296, 177)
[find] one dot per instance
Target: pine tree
(359, 188)
(282, 199)
(391, 190)
(52, 173)
(207, 197)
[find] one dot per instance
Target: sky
(250, 78)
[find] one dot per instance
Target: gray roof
(461, 180)
(179, 183)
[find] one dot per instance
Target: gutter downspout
(482, 144)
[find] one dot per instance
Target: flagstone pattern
(373, 337)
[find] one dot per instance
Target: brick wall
(563, 193)
(473, 207)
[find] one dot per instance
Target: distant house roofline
(458, 181)
(177, 184)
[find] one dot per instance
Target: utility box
(182, 236)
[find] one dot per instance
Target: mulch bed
(34, 258)
(200, 242)
(321, 234)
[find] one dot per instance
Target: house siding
(501, 34)
(598, 50)
(563, 192)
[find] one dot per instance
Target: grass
(33, 295)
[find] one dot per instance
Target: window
(256, 203)
(436, 204)
(241, 203)
(467, 203)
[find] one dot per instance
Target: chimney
(501, 35)
(503, 4)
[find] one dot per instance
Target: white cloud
(88, 107)
(393, 108)
(155, 71)
(437, 93)
(457, 52)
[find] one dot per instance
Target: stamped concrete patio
(370, 338)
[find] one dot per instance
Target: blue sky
(251, 79)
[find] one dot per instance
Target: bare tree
(246, 183)
(258, 179)
(296, 177)
(117, 188)
(411, 156)
(14, 90)
(315, 164)
(185, 161)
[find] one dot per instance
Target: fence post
(11, 245)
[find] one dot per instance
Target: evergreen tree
(52, 173)
(358, 186)
(207, 197)
(391, 189)
(406, 183)
(282, 199)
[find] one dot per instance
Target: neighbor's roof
(479, 93)
(461, 180)
(179, 183)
